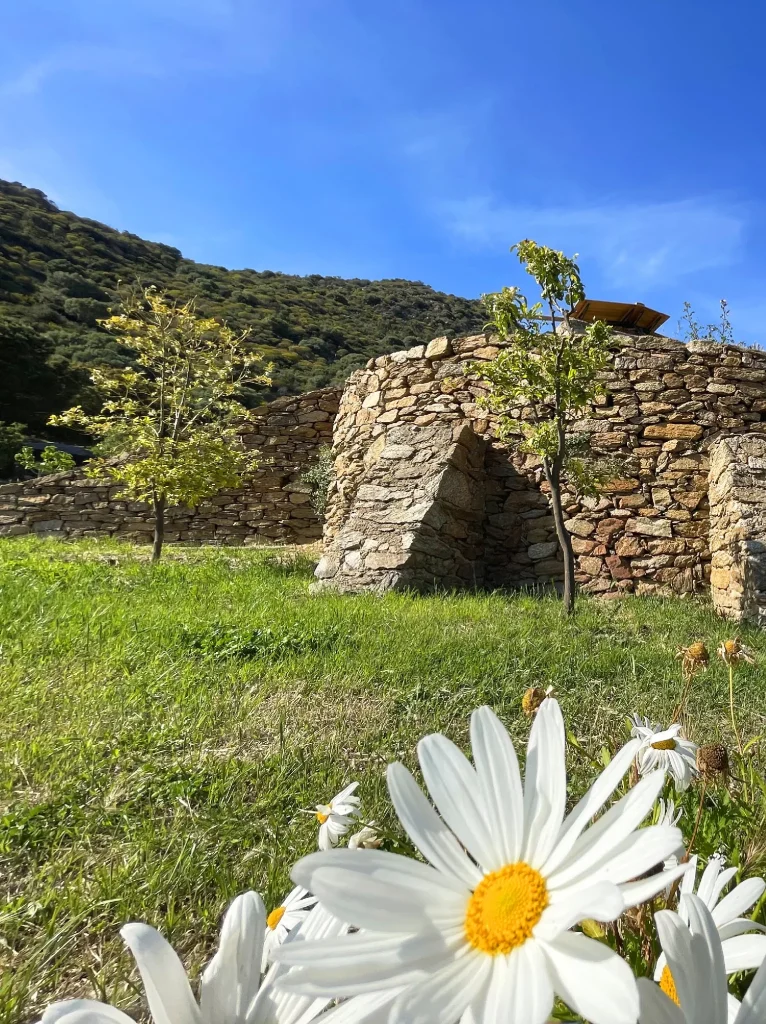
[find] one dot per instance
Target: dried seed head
(694, 658)
(732, 652)
(712, 761)
(533, 698)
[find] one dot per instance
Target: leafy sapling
(553, 369)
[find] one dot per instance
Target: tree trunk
(159, 528)
(553, 474)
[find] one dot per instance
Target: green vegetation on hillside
(59, 274)
(161, 726)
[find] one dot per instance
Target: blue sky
(408, 138)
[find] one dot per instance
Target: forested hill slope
(59, 274)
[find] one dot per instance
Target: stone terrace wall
(738, 527)
(666, 403)
(274, 508)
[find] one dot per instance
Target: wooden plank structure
(633, 316)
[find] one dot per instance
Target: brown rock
(670, 431)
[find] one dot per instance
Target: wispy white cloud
(632, 242)
(99, 60)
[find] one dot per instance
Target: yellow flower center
(664, 745)
(322, 818)
(504, 908)
(275, 917)
(668, 986)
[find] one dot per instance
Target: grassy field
(161, 728)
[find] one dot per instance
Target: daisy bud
(732, 652)
(366, 839)
(712, 761)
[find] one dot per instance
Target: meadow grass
(162, 726)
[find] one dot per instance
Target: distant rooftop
(628, 315)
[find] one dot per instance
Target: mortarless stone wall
(273, 508)
(666, 403)
(738, 527)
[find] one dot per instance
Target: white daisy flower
(693, 990)
(231, 988)
(337, 817)
(482, 932)
(665, 749)
(367, 838)
(742, 951)
(282, 919)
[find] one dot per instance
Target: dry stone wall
(738, 527)
(665, 405)
(273, 508)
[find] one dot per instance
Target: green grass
(162, 726)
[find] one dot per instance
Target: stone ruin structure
(275, 507)
(425, 497)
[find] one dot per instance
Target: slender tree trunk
(159, 527)
(553, 475)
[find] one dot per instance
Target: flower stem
(731, 709)
(697, 822)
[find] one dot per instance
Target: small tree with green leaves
(52, 460)
(170, 426)
(553, 369)
(318, 477)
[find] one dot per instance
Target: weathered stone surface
(668, 431)
(738, 527)
(275, 506)
(649, 527)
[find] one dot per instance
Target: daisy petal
(655, 1007)
(711, 993)
(372, 963)
(739, 900)
(739, 926)
(384, 951)
(372, 1008)
(84, 1011)
(528, 990)
(753, 1007)
(592, 979)
(230, 981)
(382, 891)
(591, 803)
(454, 788)
(639, 852)
(708, 881)
(545, 783)
(442, 998)
(167, 988)
(744, 952)
(723, 880)
(497, 768)
(676, 942)
(602, 902)
(595, 845)
(426, 829)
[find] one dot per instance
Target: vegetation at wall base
(59, 275)
(161, 727)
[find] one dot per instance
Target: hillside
(59, 273)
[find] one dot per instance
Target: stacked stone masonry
(274, 508)
(738, 527)
(403, 418)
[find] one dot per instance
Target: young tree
(169, 426)
(51, 460)
(553, 369)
